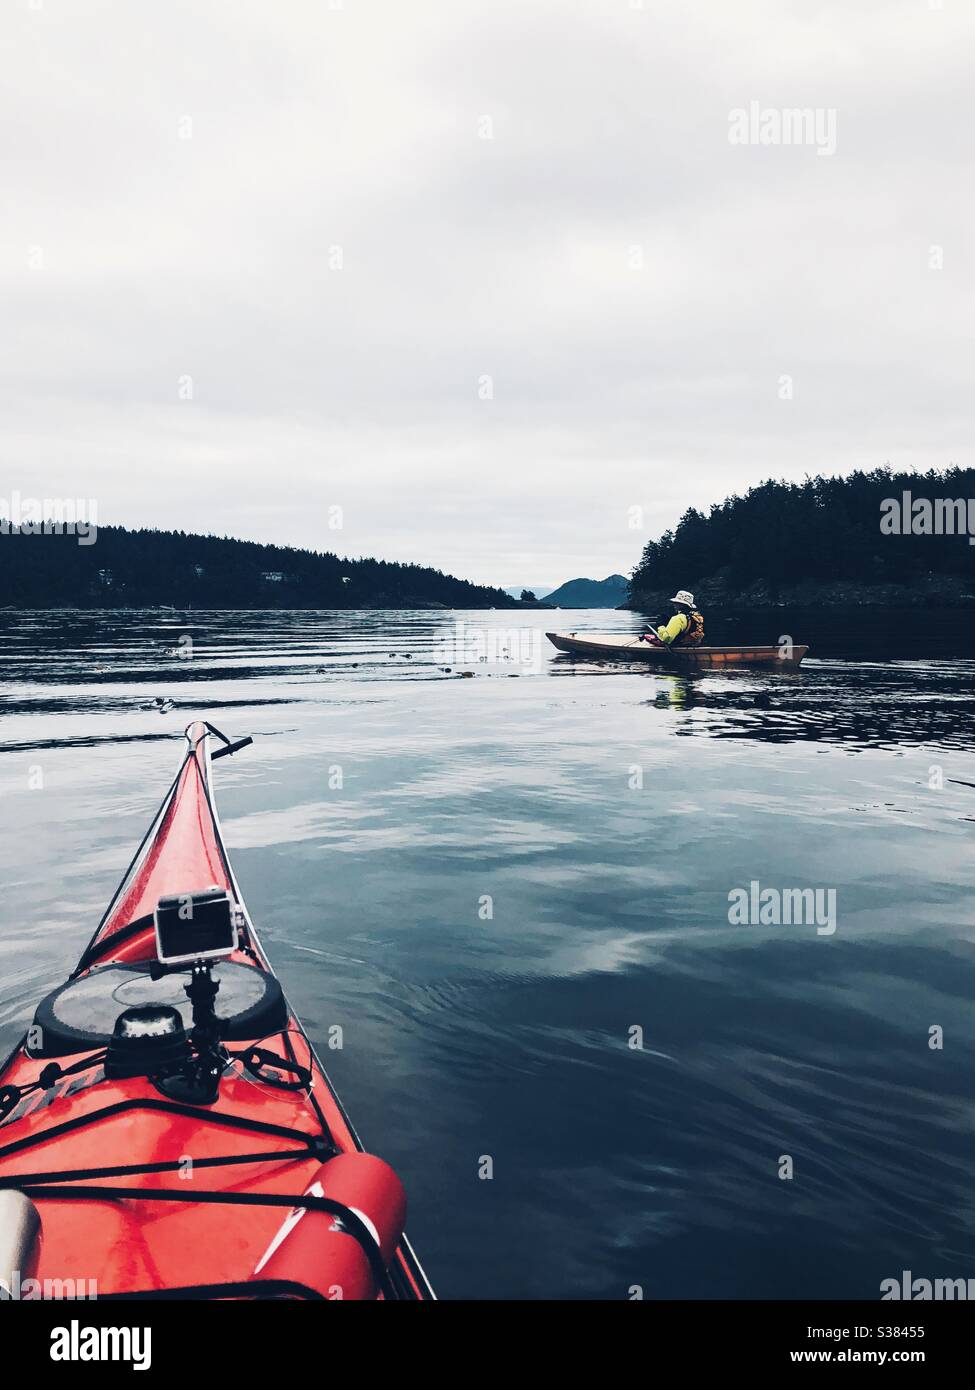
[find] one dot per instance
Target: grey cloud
(312, 128)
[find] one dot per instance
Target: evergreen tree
(820, 530)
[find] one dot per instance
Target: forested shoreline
(147, 568)
(870, 538)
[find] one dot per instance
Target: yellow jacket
(678, 624)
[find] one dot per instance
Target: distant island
(148, 568)
(589, 593)
(883, 539)
(540, 591)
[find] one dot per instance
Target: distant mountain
(116, 568)
(589, 593)
(539, 590)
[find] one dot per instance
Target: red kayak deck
(130, 1244)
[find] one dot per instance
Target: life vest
(693, 634)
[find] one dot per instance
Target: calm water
(507, 1035)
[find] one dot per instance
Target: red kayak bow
(167, 1130)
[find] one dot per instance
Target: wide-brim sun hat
(683, 596)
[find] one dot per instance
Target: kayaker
(684, 629)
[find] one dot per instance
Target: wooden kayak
(614, 647)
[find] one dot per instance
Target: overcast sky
(177, 176)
